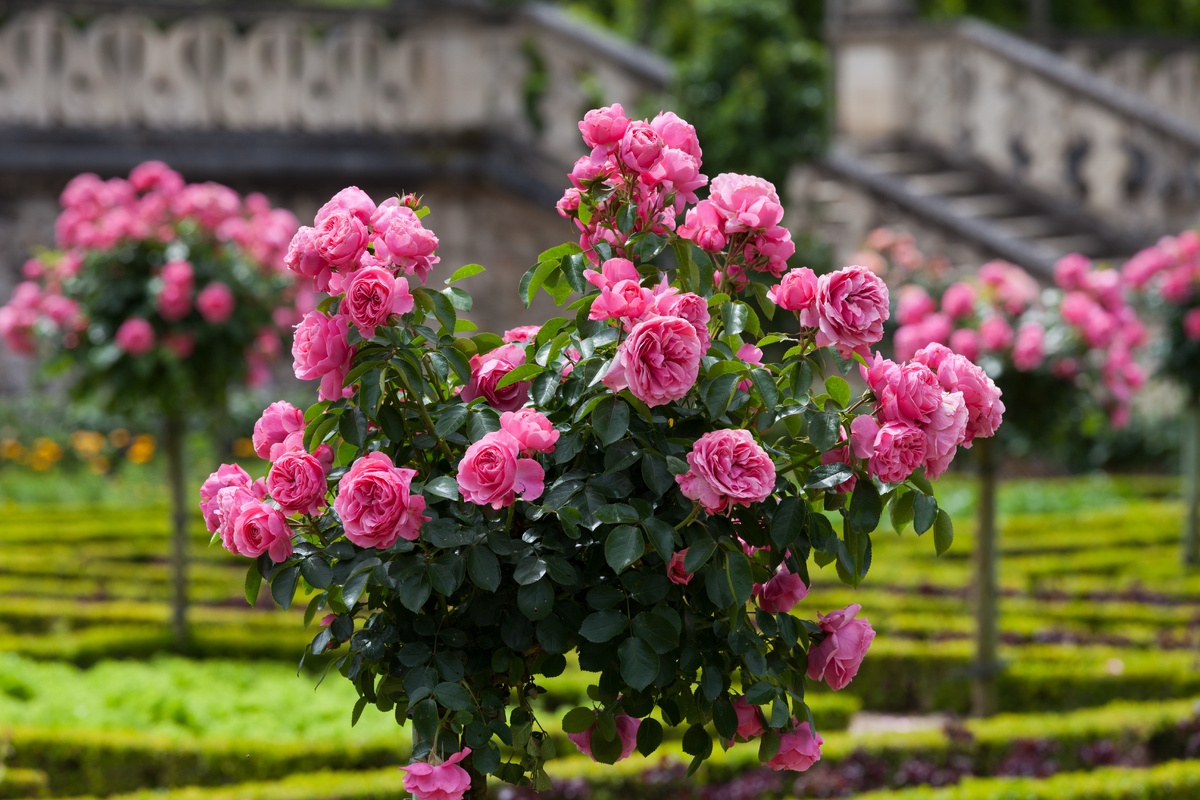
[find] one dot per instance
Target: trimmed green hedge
(90, 645)
(385, 784)
(1178, 780)
(23, 783)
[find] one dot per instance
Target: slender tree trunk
(1191, 483)
(478, 790)
(985, 558)
(174, 433)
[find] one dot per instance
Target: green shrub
(23, 783)
(382, 784)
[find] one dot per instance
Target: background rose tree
(1064, 358)
(1167, 276)
(644, 483)
(161, 296)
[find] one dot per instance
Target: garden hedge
(23, 783)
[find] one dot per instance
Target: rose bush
(645, 481)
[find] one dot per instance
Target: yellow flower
(119, 438)
(11, 449)
(142, 449)
(87, 443)
(243, 448)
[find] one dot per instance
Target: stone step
(985, 205)
(1029, 227)
(1058, 246)
(900, 162)
(942, 183)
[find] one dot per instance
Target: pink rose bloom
(351, 201)
(749, 720)
(798, 750)
(913, 305)
(679, 172)
(640, 147)
(320, 349)
(624, 299)
(906, 393)
(781, 593)
(863, 431)
(945, 431)
(627, 728)
(727, 468)
(705, 226)
(982, 396)
(669, 302)
(852, 305)
(612, 272)
(215, 302)
(374, 295)
(1191, 324)
(175, 299)
(658, 362)
(523, 334)
(340, 238)
(1145, 265)
(675, 571)
(155, 176)
(569, 202)
(493, 473)
(752, 356)
(797, 291)
(966, 343)
(180, 345)
(958, 300)
(226, 475)
(532, 430)
(746, 202)
(278, 421)
(488, 369)
(1013, 287)
(444, 781)
(1071, 271)
(375, 505)
(262, 528)
(303, 259)
(838, 656)
(899, 450)
(135, 336)
(297, 482)
(605, 126)
(229, 504)
(995, 334)
(1028, 350)
(677, 133)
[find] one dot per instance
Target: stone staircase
(984, 145)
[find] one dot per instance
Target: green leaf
(610, 419)
(465, 272)
(578, 720)
(484, 568)
(283, 586)
(623, 547)
(725, 719)
(649, 736)
(545, 386)
(450, 420)
(838, 389)
(698, 553)
(445, 486)
(719, 394)
(315, 570)
(662, 536)
(533, 279)
(943, 532)
(824, 429)
(605, 749)
(764, 384)
(253, 583)
(735, 316)
(697, 742)
(601, 626)
(453, 696)
(900, 510)
(530, 569)
(865, 506)
(639, 663)
(656, 473)
(656, 630)
(925, 512)
(827, 476)
(536, 600)
(768, 746)
(788, 522)
(741, 581)
(522, 373)
(354, 586)
(425, 719)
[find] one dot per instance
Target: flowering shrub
(1169, 274)
(635, 482)
(155, 284)
(1073, 343)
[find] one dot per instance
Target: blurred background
(1022, 130)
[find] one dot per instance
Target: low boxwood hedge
(23, 783)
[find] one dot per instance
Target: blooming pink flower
(297, 482)
(958, 300)
(727, 468)
(1028, 350)
(982, 396)
(704, 225)
(1071, 270)
(155, 176)
(1012, 287)
(523, 334)
(373, 296)
(340, 238)
(493, 473)
(675, 569)
(175, 299)
(602, 127)
(627, 728)
(658, 362)
(278, 421)
(612, 272)
(677, 133)
(640, 147)
(899, 449)
(995, 334)
(135, 336)
(444, 781)
(852, 305)
(837, 657)
(1191, 324)
(353, 202)
(782, 592)
(321, 349)
(863, 431)
(261, 528)
(965, 342)
(670, 302)
(375, 504)
(226, 475)
(303, 259)
(532, 430)
(797, 291)
(622, 300)
(932, 328)
(906, 393)
(749, 720)
(914, 304)
(488, 369)
(746, 202)
(798, 750)
(215, 302)
(945, 431)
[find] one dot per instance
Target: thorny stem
(690, 517)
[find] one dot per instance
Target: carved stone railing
(1027, 114)
(288, 72)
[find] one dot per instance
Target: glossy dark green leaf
(283, 586)
(253, 583)
(623, 546)
(943, 532)
(925, 512)
(725, 719)
(649, 736)
(823, 429)
(610, 419)
(866, 506)
(639, 663)
(578, 720)
(602, 626)
(536, 600)
(827, 476)
(697, 742)
(719, 394)
(316, 571)
(450, 420)
(901, 510)
(661, 535)
(530, 569)
(788, 522)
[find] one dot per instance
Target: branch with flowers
(635, 482)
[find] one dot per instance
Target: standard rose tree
(161, 297)
(644, 482)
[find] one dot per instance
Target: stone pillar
(867, 66)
